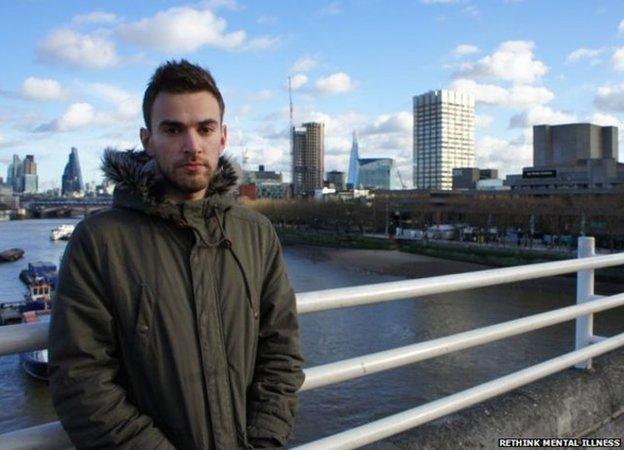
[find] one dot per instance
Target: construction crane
(400, 178)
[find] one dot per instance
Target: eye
(206, 129)
(170, 129)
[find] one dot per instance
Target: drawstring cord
(225, 243)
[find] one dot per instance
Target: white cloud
(605, 120)
(506, 156)
(617, 60)
(181, 29)
(610, 98)
(489, 94)
(297, 81)
(539, 115)
(128, 106)
(583, 53)
(517, 96)
(263, 43)
(512, 61)
(78, 50)
(78, 115)
(390, 123)
(8, 143)
(303, 64)
(465, 49)
(483, 120)
(42, 89)
(95, 17)
(125, 111)
(337, 83)
(109, 92)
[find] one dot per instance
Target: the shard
(354, 164)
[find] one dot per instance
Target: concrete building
(377, 173)
(468, 177)
(336, 179)
(72, 175)
(443, 137)
(571, 156)
(261, 175)
(308, 158)
(267, 183)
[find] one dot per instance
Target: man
(174, 324)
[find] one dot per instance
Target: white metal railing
(19, 338)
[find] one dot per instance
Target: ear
(145, 140)
(223, 139)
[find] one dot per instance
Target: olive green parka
(174, 325)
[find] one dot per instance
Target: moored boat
(39, 271)
(61, 233)
(10, 314)
(12, 254)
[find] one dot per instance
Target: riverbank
(481, 256)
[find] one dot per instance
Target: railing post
(584, 290)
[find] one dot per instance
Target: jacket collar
(140, 186)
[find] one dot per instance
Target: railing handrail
(27, 337)
(360, 366)
(34, 336)
(327, 299)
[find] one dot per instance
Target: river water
(335, 335)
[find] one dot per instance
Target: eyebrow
(175, 123)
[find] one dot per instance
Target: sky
(74, 73)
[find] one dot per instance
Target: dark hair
(178, 77)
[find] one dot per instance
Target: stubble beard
(178, 180)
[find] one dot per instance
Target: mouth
(193, 166)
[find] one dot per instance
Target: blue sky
(75, 71)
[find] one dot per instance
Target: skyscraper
(443, 137)
(72, 176)
(30, 179)
(354, 166)
(308, 158)
(15, 174)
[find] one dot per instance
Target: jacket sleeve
(92, 406)
(272, 401)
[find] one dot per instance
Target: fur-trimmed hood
(138, 181)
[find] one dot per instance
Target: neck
(177, 196)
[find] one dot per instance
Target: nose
(192, 142)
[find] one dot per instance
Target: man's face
(186, 140)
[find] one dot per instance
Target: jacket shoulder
(246, 214)
(106, 220)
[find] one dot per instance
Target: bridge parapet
(590, 346)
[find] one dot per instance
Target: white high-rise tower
(443, 137)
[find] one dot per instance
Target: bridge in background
(22, 338)
(63, 207)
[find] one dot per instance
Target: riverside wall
(494, 256)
